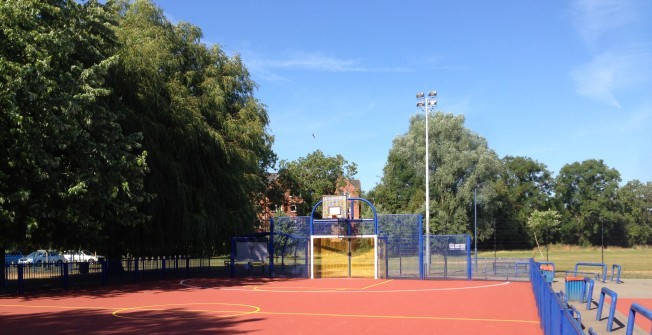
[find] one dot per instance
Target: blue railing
(556, 319)
(612, 307)
(613, 271)
(635, 309)
(593, 264)
(22, 278)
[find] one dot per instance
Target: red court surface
(280, 306)
(624, 305)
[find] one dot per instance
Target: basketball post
(338, 248)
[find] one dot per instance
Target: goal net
(356, 256)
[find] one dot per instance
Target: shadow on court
(170, 321)
(119, 290)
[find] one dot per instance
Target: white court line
(280, 290)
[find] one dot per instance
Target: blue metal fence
(637, 309)
(402, 238)
(20, 278)
(501, 269)
(555, 316)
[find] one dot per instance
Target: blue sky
(557, 81)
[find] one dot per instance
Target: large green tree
(525, 186)
(122, 132)
(459, 163)
(69, 174)
(205, 132)
(588, 192)
(636, 200)
(315, 175)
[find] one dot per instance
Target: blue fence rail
(20, 278)
(635, 309)
(555, 316)
(593, 264)
(589, 292)
(612, 307)
(613, 271)
(514, 269)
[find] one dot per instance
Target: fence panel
(554, 314)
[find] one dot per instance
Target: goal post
(337, 256)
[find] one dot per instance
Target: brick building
(291, 201)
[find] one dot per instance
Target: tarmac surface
(627, 289)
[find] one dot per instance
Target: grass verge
(635, 262)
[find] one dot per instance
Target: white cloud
(594, 18)
(311, 61)
(617, 62)
(270, 68)
(611, 71)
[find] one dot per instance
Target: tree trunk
(537, 242)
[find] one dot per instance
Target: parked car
(29, 259)
(82, 256)
(12, 257)
(42, 256)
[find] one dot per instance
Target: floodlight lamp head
(420, 104)
(432, 93)
(432, 103)
(420, 95)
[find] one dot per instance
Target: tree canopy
(120, 126)
(205, 131)
(313, 176)
(459, 163)
(68, 171)
(588, 192)
(513, 193)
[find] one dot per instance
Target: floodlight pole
(427, 104)
(475, 226)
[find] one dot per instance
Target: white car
(29, 259)
(42, 256)
(82, 256)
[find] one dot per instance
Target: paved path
(629, 288)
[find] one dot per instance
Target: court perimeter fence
(554, 315)
(555, 318)
(21, 278)
(403, 256)
(450, 255)
(450, 259)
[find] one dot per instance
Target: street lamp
(427, 104)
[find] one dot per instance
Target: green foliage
(524, 187)
(69, 172)
(459, 162)
(542, 223)
(313, 176)
(123, 132)
(588, 191)
(205, 132)
(636, 200)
